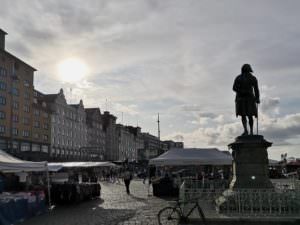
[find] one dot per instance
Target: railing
(260, 202)
(286, 184)
(281, 201)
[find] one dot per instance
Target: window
(2, 129)
(36, 124)
(46, 126)
(36, 136)
(46, 115)
(25, 133)
(15, 118)
(26, 120)
(15, 91)
(2, 100)
(15, 105)
(25, 147)
(26, 95)
(45, 148)
(26, 108)
(15, 131)
(27, 83)
(2, 86)
(36, 148)
(2, 115)
(36, 112)
(45, 137)
(3, 72)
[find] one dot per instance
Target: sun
(72, 70)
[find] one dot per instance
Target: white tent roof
(59, 165)
(9, 164)
(192, 156)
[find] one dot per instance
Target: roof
(2, 31)
(11, 164)
(50, 97)
(11, 55)
(58, 166)
(192, 156)
(91, 110)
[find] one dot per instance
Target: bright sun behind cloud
(72, 70)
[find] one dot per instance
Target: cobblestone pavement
(114, 208)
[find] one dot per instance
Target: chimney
(2, 39)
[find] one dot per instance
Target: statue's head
(246, 68)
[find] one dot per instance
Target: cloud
(270, 105)
(129, 109)
(178, 58)
(178, 138)
(191, 108)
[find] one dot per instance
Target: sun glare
(72, 70)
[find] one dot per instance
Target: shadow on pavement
(87, 213)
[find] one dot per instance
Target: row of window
(26, 120)
(25, 133)
(14, 91)
(68, 152)
(15, 131)
(37, 125)
(3, 73)
(37, 112)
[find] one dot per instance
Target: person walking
(127, 179)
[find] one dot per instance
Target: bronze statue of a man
(247, 96)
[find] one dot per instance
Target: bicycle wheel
(168, 216)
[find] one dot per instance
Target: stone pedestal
(250, 173)
(250, 165)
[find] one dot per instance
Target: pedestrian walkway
(114, 207)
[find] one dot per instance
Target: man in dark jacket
(247, 96)
(127, 178)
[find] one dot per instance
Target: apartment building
(95, 134)
(111, 137)
(16, 99)
(41, 129)
(68, 129)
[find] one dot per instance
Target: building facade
(173, 144)
(68, 129)
(111, 137)
(152, 147)
(41, 129)
(130, 141)
(95, 134)
(17, 106)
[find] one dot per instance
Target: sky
(177, 58)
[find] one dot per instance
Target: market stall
(177, 164)
(73, 182)
(19, 205)
(192, 156)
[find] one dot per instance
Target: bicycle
(173, 215)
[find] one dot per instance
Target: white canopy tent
(192, 156)
(59, 165)
(10, 164)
